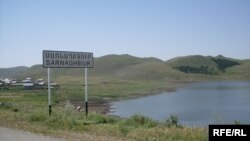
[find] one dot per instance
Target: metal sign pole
(86, 91)
(49, 91)
(61, 59)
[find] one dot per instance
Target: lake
(197, 104)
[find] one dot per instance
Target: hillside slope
(12, 72)
(240, 71)
(194, 64)
(131, 67)
(107, 65)
(149, 70)
(203, 64)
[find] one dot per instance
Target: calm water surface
(198, 104)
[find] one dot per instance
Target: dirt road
(8, 134)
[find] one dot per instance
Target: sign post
(86, 91)
(49, 92)
(68, 59)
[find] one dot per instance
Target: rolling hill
(13, 72)
(149, 70)
(203, 64)
(109, 64)
(130, 67)
(194, 64)
(240, 71)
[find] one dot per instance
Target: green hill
(224, 62)
(149, 70)
(109, 64)
(131, 67)
(240, 71)
(103, 66)
(194, 64)
(12, 72)
(203, 64)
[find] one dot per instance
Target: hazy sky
(143, 28)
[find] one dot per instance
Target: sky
(144, 28)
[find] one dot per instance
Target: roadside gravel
(8, 134)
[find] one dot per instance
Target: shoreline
(103, 106)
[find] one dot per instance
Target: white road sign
(66, 59)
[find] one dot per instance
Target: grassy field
(28, 110)
(113, 78)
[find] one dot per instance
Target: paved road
(8, 134)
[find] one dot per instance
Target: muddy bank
(103, 106)
(100, 105)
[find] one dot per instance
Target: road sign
(65, 59)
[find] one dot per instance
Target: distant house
(27, 80)
(40, 84)
(54, 86)
(28, 83)
(7, 81)
(13, 81)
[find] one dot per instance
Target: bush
(237, 122)
(97, 118)
(140, 120)
(172, 121)
(15, 110)
(61, 121)
(100, 118)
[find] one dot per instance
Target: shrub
(140, 120)
(97, 118)
(60, 121)
(15, 110)
(237, 122)
(172, 121)
(100, 118)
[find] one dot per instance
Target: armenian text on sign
(65, 59)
